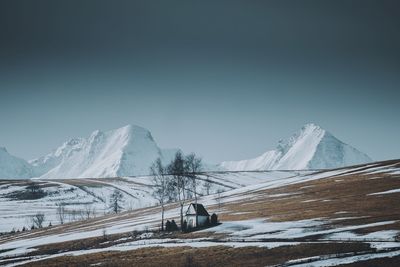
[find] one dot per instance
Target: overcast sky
(224, 79)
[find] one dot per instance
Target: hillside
(334, 217)
(310, 148)
(77, 194)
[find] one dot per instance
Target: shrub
(168, 226)
(174, 227)
(214, 219)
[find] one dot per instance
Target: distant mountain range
(310, 148)
(126, 151)
(131, 150)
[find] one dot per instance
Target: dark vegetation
(32, 191)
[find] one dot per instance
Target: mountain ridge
(309, 148)
(130, 150)
(126, 151)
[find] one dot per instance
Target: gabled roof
(201, 211)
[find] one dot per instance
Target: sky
(223, 79)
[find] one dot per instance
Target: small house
(202, 215)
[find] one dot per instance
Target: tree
(61, 214)
(179, 181)
(168, 226)
(193, 168)
(219, 197)
(37, 220)
(116, 199)
(161, 182)
(33, 188)
(207, 185)
(34, 191)
(88, 211)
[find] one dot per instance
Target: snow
(137, 191)
(334, 261)
(310, 148)
(126, 151)
(13, 167)
(386, 192)
(386, 235)
(238, 233)
(241, 233)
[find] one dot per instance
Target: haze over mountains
(130, 151)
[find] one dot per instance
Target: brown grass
(349, 193)
(207, 257)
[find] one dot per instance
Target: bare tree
(207, 185)
(73, 214)
(193, 168)
(219, 197)
(88, 211)
(179, 181)
(61, 214)
(38, 220)
(161, 182)
(116, 200)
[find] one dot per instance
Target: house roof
(201, 211)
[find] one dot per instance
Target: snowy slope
(310, 148)
(126, 151)
(49, 161)
(13, 167)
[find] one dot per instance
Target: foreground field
(340, 217)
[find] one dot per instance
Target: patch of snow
(385, 192)
(347, 260)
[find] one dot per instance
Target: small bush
(174, 227)
(168, 226)
(214, 219)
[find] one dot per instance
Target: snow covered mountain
(310, 148)
(13, 167)
(131, 150)
(126, 151)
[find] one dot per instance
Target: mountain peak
(125, 151)
(310, 127)
(309, 148)
(13, 167)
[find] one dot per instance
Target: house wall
(191, 220)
